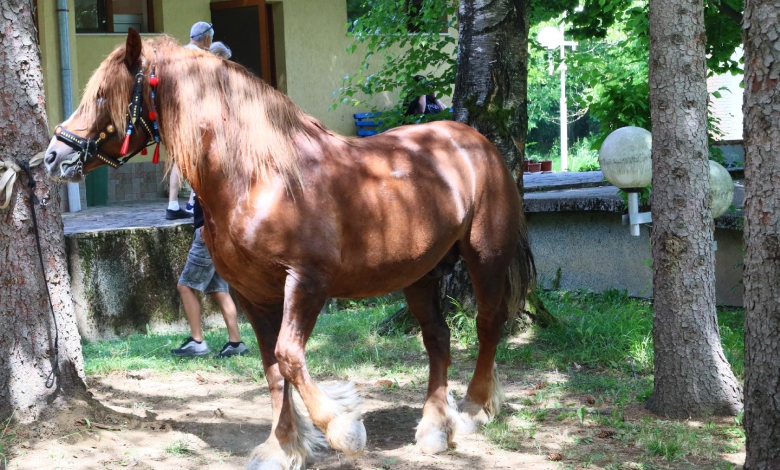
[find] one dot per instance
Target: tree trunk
(491, 86)
(762, 234)
(692, 376)
(27, 336)
(490, 94)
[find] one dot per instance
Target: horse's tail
(521, 275)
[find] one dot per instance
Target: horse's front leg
(293, 438)
(335, 410)
(436, 429)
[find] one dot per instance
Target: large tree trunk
(490, 93)
(762, 234)
(27, 335)
(692, 376)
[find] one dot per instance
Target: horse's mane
(209, 104)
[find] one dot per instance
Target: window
(114, 16)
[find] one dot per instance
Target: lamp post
(551, 38)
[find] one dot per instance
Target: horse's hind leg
(483, 397)
(438, 424)
(335, 410)
(293, 438)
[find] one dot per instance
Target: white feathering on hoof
(307, 444)
(346, 431)
(435, 433)
(475, 415)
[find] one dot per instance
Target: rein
(90, 148)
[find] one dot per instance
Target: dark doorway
(246, 26)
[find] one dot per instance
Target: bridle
(90, 148)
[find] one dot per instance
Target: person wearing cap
(201, 35)
(199, 273)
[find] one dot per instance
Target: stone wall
(594, 251)
(124, 281)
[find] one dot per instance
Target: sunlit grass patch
(609, 331)
(343, 344)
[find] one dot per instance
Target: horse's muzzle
(63, 162)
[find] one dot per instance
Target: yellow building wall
(315, 61)
(311, 39)
(48, 32)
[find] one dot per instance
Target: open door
(246, 27)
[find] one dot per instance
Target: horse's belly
(391, 263)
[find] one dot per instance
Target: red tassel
(156, 157)
(144, 152)
(125, 145)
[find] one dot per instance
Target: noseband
(90, 148)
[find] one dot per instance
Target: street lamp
(626, 161)
(552, 38)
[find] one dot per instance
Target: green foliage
(607, 75)
(463, 324)
(582, 156)
(615, 69)
(401, 39)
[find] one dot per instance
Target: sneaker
(230, 350)
(189, 207)
(178, 214)
(191, 348)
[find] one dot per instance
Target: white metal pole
(74, 198)
(564, 115)
(633, 208)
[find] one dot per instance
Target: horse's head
(112, 122)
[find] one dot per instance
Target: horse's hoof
(435, 432)
(433, 442)
(270, 455)
(255, 464)
(347, 434)
(473, 416)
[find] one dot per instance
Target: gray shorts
(199, 272)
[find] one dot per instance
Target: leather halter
(90, 148)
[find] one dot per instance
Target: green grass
(611, 332)
(179, 448)
(343, 344)
(7, 436)
(601, 350)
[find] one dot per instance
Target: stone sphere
(721, 189)
(625, 157)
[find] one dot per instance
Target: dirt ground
(210, 420)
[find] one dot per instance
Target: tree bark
(491, 85)
(27, 352)
(692, 376)
(761, 110)
(491, 90)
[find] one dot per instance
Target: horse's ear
(132, 49)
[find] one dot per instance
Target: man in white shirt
(201, 35)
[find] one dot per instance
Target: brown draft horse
(296, 214)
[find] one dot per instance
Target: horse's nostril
(50, 158)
